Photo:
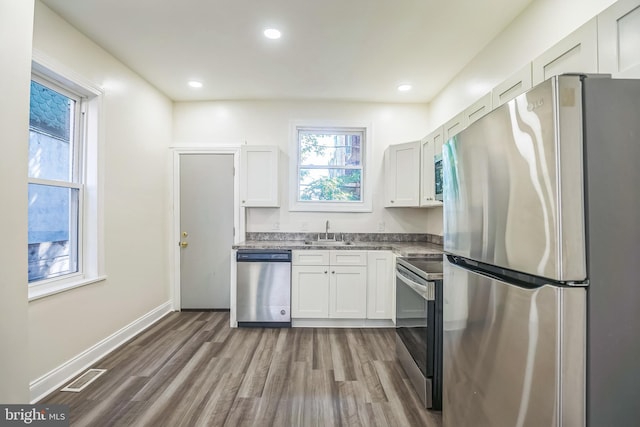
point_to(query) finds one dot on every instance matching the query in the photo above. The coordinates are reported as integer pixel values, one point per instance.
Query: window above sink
(329, 167)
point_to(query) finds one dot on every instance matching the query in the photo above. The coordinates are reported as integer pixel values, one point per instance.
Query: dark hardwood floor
(192, 369)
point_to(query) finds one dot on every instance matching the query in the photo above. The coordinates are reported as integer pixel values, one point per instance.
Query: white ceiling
(330, 49)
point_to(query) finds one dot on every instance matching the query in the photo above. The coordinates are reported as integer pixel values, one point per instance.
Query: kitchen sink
(327, 243)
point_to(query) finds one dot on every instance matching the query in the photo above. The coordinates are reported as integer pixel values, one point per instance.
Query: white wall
(267, 123)
(137, 132)
(542, 24)
(16, 23)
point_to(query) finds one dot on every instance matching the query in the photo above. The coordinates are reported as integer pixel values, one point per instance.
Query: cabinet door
(478, 109)
(259, 176)
(454, 126)
(619, 40)
(348, 290)
(577, 53)
(515, 85)
(310, 292)
(380, 276)
(402, 175)
(430, 146)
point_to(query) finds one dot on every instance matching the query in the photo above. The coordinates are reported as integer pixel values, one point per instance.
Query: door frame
(238, 213)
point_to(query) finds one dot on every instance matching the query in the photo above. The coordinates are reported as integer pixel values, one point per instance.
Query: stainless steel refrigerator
(542, 268)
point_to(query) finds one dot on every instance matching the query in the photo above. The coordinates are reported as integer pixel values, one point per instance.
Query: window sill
(330, 207)
(56, 288)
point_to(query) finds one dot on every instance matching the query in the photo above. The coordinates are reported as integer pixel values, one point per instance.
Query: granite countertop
(403, 245)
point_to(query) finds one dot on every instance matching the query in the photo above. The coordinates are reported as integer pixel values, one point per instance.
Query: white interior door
(206, 229)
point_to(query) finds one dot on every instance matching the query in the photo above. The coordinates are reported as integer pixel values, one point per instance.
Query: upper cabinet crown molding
(576, 53)
(619, 39)
(259, 176)
(478, 109)
(518, 83)
(609, 43)
(454, 126)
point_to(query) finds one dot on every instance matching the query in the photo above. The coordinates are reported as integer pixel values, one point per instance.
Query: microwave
(437, 163)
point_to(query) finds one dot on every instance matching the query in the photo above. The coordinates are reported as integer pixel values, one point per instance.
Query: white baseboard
(52, 380)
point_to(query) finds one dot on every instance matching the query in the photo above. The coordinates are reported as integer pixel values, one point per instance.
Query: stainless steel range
(419, 326)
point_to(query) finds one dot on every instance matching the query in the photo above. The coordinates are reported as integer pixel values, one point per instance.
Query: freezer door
(512, 356)
(513, 185)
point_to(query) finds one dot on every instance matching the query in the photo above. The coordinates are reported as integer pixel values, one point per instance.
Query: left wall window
(55, 184)
(65, 245)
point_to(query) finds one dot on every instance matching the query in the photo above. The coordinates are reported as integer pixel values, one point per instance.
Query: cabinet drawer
(310, 257)
(348, 257)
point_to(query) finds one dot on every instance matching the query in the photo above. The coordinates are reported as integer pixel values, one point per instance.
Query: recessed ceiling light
(194, 83)
(404, 88)
(272, 33)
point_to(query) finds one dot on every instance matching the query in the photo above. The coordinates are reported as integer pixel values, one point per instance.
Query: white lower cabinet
(348, 292)
(380, 289)
(310, 291)
(350, 285)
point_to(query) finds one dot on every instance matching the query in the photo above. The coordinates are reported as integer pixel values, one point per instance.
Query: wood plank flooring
(192, 369)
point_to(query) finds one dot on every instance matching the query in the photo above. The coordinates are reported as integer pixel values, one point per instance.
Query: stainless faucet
(326, 231)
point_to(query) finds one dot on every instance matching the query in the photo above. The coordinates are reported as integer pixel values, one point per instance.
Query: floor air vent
(84, 380)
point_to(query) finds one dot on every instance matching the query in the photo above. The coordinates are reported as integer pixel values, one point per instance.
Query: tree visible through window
(54, 184)
(330, 165)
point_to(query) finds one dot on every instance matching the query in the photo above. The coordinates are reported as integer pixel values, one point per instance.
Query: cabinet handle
(243, 202)
(325, 272)
(392, 201)
(333, 272)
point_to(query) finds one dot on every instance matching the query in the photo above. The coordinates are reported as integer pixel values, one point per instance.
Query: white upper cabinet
(478, 109)
(402, 175)
(431, 145)
(259, 176)
(515, 85)
(619, 39)
(454, 126)
(577, 53)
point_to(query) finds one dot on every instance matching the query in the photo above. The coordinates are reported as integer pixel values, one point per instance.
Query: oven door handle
(428, 291)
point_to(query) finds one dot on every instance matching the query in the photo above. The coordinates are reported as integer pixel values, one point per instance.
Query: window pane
(327, 149)
(330, 184)
(53, 231)
(50, 137)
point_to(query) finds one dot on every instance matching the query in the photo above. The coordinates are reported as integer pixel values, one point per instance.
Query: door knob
(184, 244)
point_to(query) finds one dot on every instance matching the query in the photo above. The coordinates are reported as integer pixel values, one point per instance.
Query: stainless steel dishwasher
(263, 290)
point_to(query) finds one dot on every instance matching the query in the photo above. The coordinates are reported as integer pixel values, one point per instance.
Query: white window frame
(89, 182)
(365, 205)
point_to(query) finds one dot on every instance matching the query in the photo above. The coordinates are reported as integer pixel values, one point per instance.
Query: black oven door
(414, 313)
(417, 324)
